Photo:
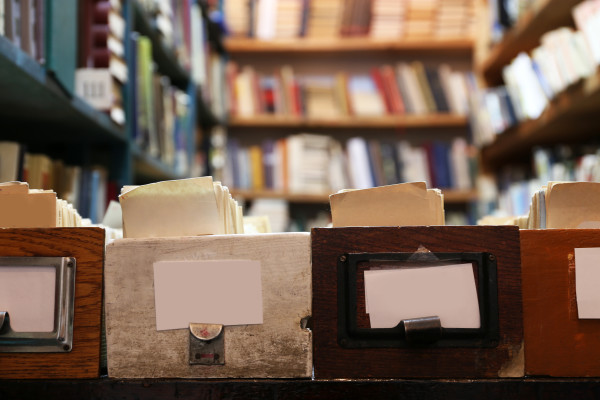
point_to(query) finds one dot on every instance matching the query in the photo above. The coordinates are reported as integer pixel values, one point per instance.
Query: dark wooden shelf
(148, 168)
(447, 389)
(450, 196)
(341, 45)
(384, 121)
(525, 35)
(31, 101)
(571, 117)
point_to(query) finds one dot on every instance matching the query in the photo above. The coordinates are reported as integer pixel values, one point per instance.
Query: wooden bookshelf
(343, 45)
(388, 121)
(450, 196)
(148, 168)
(571, 117)
(525, 35)
(27, 91)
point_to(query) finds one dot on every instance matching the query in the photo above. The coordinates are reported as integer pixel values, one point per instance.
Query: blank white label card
(27, 293)
(448, 292)
(587, 282)
(227, 292)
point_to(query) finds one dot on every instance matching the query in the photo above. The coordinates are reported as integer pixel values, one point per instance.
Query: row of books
(407, 88)
(183, 27)
(87, 189)
(286, 19)
(162, 113)
(560, 164)
(102, 70)
(22, 22)
(310, 163)
(532, 81)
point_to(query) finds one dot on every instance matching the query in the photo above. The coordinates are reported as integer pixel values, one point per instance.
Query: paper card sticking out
(227, 292)
(446, 291)
(27, 293)
(587, 280)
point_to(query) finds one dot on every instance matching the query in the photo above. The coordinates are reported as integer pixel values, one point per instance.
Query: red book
(376, 76)
(391, 87)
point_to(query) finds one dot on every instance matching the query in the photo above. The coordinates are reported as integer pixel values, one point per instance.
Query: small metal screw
(216, 357)
(492, 257)
(343, 258)
(70, 263)
(197, 356)
(66, 347)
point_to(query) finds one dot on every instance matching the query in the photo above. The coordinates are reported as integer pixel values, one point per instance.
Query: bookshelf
(386, 122)
(342, 45)
(40, 111)
(571, 117)
(544, 16)
(450, 196)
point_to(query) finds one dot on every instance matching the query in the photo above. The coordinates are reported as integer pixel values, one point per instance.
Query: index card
(227, 292)
(587, 278)
(27, 293)
(447, 291)
(403, 204)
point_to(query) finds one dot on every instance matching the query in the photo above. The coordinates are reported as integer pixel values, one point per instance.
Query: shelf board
(165, 58)
(450, 196)
(387, 121)
(31, 100)
(184, 389)
(525, 35)
(149, 168)
(340, 45)
(572, 116)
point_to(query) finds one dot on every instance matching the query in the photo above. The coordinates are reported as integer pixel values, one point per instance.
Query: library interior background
(153, 118)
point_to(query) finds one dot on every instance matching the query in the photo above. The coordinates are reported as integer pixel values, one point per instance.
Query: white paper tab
(27, 293)
(227, 292)
(587, 278)
(448, 292)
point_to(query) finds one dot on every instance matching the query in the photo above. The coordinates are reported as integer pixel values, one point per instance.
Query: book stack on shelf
(378, 19)
(102, 71)
(162, 112)
(317, 164)
(88, 189)
(22, 22)
(537, 119)
(535, 81)
(144, 127)
(407, 88)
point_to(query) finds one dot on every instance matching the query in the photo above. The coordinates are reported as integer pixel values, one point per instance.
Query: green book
(61, 42)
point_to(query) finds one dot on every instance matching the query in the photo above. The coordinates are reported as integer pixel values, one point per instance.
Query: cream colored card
(32, 210)
(587, 281)
(448, 292)
(573, 205)
(227, 292)
(27, 293)
(185, 207)
(405, 204)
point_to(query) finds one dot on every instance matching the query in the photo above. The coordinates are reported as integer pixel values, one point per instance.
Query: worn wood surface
(333, 361)
(557, 343)
(87, 246)
(109, 389)
(278, 348)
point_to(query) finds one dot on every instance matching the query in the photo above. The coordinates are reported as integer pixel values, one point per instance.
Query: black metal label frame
(351, 336)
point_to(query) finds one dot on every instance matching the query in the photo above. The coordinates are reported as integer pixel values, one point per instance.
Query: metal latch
(422, 330)
(207, 344)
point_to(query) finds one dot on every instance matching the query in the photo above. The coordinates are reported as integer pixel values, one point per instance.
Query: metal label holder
(207, 344)
(421, 332)
(60, 340)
